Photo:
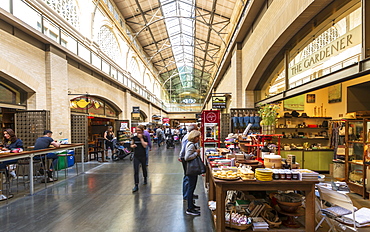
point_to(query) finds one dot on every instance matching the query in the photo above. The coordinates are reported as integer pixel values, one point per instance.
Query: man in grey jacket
(185, 181)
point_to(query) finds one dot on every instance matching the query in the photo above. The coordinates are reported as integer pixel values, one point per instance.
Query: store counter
(31, 154)
(218, 189)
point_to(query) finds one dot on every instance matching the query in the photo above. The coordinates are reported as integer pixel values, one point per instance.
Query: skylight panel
(181, 33)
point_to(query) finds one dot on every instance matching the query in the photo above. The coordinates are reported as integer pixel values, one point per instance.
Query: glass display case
(357, 159)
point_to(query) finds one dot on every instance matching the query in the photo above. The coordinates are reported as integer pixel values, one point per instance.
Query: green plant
(268, 114)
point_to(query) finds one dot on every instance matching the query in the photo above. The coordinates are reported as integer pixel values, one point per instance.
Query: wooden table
(218, 188)
(31, 154)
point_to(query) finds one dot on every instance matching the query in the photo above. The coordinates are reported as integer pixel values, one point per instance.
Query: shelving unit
(303, 128)
(357, 157)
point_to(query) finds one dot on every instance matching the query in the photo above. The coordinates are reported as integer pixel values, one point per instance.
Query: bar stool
(22, 170)
(3, 172)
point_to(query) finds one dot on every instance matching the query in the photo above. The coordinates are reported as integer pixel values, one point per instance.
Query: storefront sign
(211, 117)
(166, 121)
(218, 102)
(344, 42)
(136, 109)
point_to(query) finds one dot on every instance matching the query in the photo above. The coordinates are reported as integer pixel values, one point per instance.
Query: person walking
(191, 152)
(160, 136)
(149, 147)
(139, 142)
(185, 180)
(109, 136)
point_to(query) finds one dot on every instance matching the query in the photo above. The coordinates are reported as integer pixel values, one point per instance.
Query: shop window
(92, 106)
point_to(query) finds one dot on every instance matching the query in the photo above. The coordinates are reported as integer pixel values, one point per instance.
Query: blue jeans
(241, 121)
(192, 184)
(235, 121)
(147, 155)
(185, 181)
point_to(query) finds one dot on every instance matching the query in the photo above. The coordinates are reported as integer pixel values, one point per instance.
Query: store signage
(211, 117)
(218, 102)
(166, 121)
(136, 109)
(135, 116)
(348, 40)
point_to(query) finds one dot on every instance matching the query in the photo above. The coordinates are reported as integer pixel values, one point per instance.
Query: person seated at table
(12, 144)
(42, 143)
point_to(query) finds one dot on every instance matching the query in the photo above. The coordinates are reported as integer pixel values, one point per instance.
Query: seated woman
(12, 144)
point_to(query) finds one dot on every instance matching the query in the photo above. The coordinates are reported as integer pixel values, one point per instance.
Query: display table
(218, 188)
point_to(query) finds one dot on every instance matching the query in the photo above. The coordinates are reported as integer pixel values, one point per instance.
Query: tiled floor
(102, 200)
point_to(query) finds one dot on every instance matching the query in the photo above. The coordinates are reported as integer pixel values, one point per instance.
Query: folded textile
(361, 216)
(335, 211)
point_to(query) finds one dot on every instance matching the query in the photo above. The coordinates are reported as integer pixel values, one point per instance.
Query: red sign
(211, 117)
(166, 120)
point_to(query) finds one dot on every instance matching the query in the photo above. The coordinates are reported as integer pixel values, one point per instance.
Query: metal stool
(7, 184)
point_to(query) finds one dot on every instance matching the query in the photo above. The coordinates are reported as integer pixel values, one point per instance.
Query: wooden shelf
(350, 162)
(303, 128)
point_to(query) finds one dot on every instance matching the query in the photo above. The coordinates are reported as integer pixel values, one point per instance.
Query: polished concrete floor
(102, 200)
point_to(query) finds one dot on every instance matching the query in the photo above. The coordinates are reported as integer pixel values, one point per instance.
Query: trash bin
(61, 160)
(70, 158)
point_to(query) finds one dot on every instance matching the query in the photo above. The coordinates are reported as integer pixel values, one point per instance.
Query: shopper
(185, 180)
(139, 142)
(149, 147)
(191, 152)
(109, 136)
(12, 144)
(160, 136)
(42, 143)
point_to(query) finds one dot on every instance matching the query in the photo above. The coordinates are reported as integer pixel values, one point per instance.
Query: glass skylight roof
(180, 22)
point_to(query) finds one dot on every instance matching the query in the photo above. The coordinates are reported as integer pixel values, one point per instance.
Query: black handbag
(195, 167)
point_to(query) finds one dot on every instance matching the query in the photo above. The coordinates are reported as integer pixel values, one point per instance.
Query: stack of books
(259, 224)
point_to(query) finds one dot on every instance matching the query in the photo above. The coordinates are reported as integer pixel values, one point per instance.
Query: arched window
(108, 43)
(67, 9)
(7, 95)
(93, 106)
(134, 69)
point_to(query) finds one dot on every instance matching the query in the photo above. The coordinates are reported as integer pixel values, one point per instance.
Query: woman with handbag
(192, 153)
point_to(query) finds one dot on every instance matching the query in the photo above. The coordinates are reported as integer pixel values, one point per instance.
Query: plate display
(219, 178)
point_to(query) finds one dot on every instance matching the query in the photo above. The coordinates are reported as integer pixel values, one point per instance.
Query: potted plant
(268, 115)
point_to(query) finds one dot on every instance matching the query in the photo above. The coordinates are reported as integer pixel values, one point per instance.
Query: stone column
(365, 29)
(236, 74)
(56, 76)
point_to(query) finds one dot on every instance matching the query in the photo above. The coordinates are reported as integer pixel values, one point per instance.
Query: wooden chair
(96, 149)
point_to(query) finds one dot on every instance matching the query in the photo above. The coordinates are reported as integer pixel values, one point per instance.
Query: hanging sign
(218, 102)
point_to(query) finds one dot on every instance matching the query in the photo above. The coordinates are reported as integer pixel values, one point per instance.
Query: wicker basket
(230, 224)
(271, 217)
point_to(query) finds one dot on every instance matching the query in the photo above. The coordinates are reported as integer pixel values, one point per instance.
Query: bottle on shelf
(265, 150)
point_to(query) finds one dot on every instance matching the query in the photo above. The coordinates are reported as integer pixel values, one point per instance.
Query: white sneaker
(12, 173)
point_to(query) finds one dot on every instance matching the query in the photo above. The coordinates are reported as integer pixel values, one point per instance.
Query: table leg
(220, 209)
(31, 175)
(82, 159)
(310, 209)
